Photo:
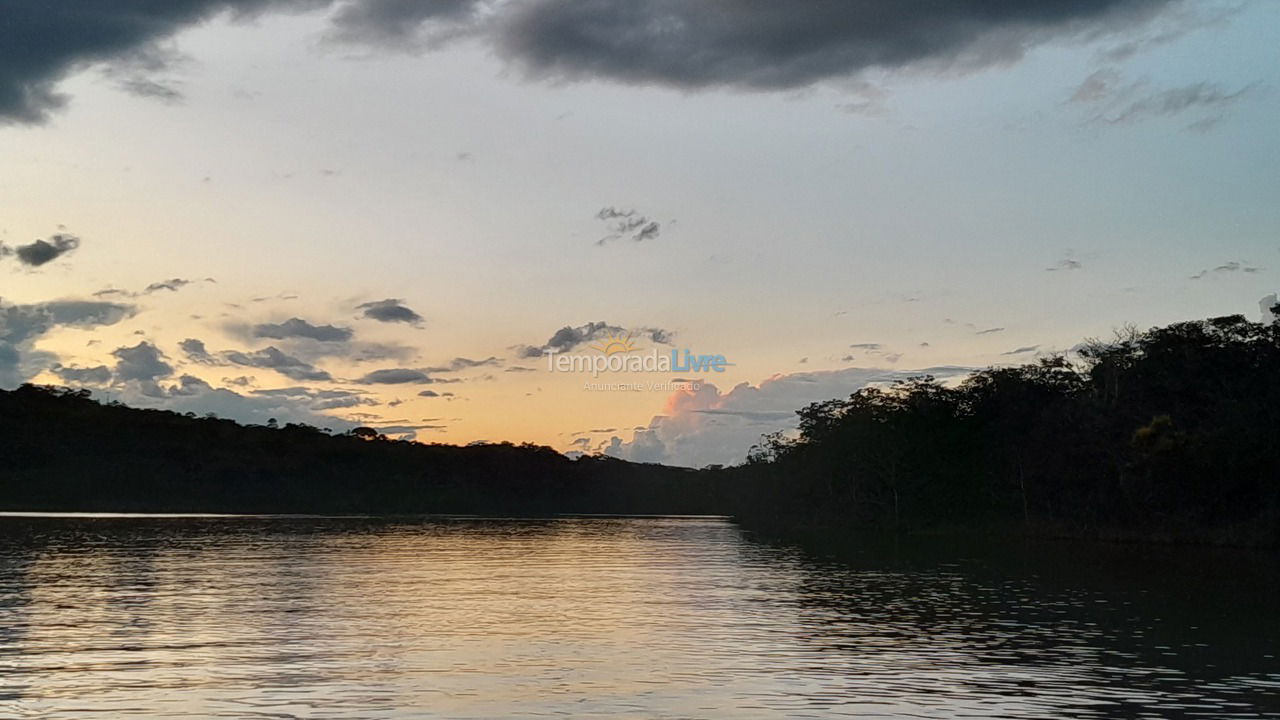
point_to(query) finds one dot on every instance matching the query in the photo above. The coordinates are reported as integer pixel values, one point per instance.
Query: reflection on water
(643, 618)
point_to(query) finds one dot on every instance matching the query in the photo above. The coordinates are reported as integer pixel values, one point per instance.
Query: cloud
(1022, 350)
(299, 328)
(1116, 102)
(112, 292)
(138, 72)
(43, 251)
(1267, 306)
(390, 310)
(461, 363)
(271, 358)
(39, 45)
(866, 346)
(1164, 103)
(172, 285)
(321, 399)
(1234, 266)
(99, 375)
(22, 325)
(1100, 85)
(764, 45)
(150, 88)
(700, 424)
(269, 298)
(187, 386)
(433, 393)
(191, 394)
(1172, 25)
(396, 376)
(306, 343)
(750, 44)
(627, 223)
(568, 338)
(196, 351)
(143, 362)
(989, 331)
(1067, 263)
(404, 24)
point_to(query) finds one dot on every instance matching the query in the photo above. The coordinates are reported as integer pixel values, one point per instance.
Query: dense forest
(1167, 434)
(64, 451)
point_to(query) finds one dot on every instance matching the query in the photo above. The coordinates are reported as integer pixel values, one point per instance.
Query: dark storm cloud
(390, 310)
(568, 338)
(40, 42)
(43, 251)
(771, 45)
(299, 328)
(396, 376)
(755, 44)
(271, 358)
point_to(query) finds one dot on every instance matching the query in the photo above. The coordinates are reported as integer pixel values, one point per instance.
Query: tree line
(1169, 433)
(61, 450)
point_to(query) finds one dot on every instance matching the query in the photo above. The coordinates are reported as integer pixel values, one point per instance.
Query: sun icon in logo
(615, 343)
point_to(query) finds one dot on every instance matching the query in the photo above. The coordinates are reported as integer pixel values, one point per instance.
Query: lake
(308, 617)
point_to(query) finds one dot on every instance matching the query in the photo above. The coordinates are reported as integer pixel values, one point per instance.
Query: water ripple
(602, 617)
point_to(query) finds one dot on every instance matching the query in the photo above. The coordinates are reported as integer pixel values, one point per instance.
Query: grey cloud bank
(753, 44)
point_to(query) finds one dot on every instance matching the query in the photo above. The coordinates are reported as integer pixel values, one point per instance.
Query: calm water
(640, 618)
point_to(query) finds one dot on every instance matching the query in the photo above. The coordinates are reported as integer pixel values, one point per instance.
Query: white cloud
(704, 425)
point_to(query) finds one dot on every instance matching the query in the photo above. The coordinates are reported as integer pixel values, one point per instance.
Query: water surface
(612, 617)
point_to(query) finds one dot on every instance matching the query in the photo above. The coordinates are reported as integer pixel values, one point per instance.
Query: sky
(386, 212)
